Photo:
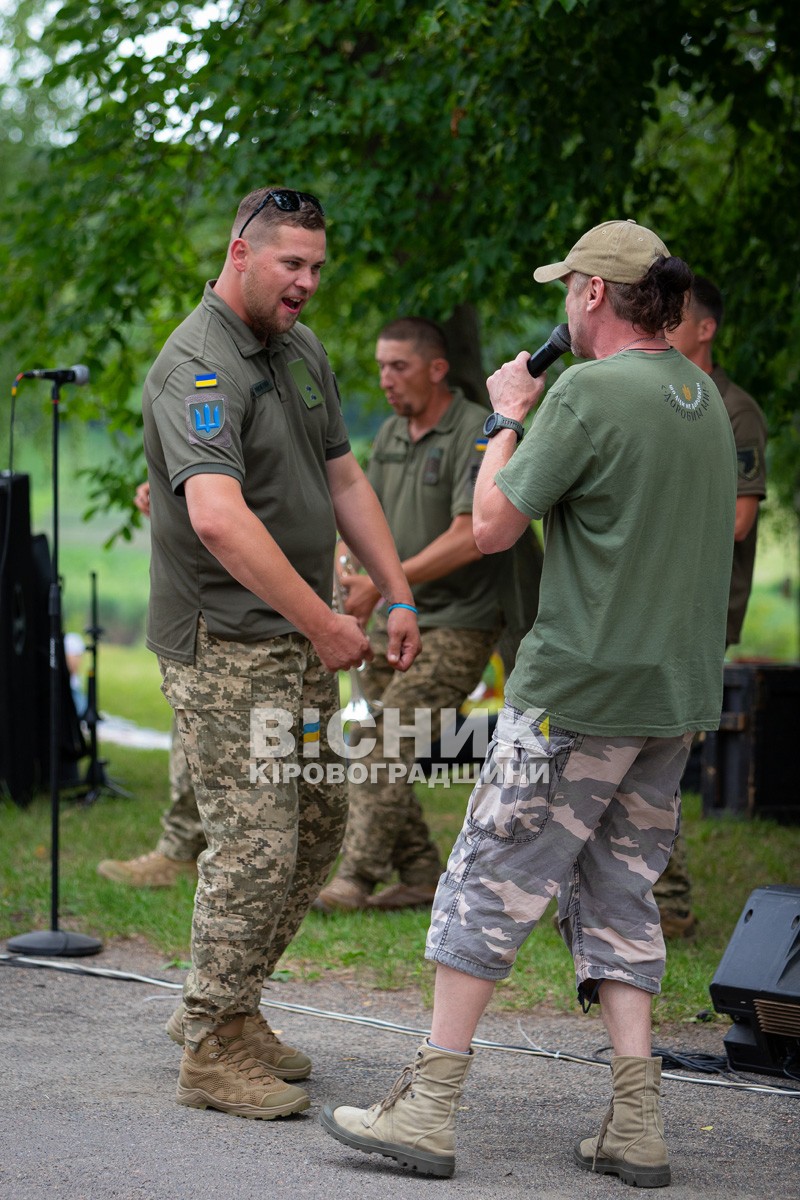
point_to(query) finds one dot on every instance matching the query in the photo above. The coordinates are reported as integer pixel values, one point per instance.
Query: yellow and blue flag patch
(481, 444)
(205, 381)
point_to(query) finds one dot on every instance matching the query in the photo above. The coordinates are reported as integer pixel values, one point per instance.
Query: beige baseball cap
(618, 251)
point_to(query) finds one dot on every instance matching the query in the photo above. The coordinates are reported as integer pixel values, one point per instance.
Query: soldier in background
(694, 337)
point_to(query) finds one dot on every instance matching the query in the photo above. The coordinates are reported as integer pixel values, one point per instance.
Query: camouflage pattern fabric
(592, 819)
(386, 829)
(673, 891)
(182, 838)
(270, 845)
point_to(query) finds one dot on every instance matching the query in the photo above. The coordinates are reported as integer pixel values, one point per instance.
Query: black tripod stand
(55, 941)
(96, 781)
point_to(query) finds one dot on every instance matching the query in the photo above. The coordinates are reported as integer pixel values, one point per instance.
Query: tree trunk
(464, 342)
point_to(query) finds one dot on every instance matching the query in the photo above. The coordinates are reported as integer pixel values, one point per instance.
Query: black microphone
(557, 344)
(79, 374)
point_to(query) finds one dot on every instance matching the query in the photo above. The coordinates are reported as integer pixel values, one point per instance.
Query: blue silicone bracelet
(410, 608)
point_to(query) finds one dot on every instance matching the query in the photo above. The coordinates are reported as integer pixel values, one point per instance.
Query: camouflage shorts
(589, 818)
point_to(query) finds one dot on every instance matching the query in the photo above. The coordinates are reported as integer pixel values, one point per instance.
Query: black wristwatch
(496, 421)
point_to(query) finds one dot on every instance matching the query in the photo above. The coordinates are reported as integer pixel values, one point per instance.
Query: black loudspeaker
(19, 765)
(72, 745)
(758, 984)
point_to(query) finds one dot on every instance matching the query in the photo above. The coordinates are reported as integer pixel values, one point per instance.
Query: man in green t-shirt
(251, 474)
(632, 464)
(423, 467)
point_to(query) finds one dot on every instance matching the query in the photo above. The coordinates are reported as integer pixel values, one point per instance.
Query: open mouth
(293, 303)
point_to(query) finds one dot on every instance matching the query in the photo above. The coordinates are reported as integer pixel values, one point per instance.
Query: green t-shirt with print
(631, 462)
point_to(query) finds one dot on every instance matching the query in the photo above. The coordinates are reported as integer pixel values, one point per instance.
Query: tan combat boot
(631, 1139)
(223, 1074)
(415, 1124)
(341, 895)
(675, 927)
(151, 870)
(281, 1060)
(403, 895)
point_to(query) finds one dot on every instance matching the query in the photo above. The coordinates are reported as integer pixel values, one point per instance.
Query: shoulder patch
(748, 462)
(207, 420)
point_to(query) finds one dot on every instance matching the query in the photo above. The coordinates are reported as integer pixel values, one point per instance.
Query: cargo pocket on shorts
(511, 801)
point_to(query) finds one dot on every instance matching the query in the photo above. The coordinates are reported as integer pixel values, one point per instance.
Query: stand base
(54, 943)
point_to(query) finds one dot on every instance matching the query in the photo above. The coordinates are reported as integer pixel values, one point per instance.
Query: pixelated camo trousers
(592, 819)
(386, 828)
(270, 845)
(182, 837)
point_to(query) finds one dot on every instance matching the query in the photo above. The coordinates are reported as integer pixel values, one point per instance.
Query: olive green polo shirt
(422, 486)
(217, 401)
(750, 434)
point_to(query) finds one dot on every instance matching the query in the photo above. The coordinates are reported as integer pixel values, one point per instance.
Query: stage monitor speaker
(20, 771)
(758, 984)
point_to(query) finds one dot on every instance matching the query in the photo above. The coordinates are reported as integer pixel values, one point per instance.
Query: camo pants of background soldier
(386, 829)
(590, 818)
(270, 845)
(183, 838)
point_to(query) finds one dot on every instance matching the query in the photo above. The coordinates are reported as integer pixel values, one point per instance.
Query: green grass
(728, 859)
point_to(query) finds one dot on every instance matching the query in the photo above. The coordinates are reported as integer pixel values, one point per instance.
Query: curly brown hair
(656, 302)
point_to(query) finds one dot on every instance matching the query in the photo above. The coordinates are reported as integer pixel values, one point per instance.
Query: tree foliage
(456, 145)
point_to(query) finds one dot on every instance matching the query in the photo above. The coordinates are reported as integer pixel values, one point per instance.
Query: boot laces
(604, 1124)
(240, 1058)
(401, 1085)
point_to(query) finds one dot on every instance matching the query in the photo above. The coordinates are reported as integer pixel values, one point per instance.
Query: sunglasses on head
(287, 201)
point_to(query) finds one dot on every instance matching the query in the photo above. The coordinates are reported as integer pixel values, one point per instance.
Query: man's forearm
(362, 524)
(497, 524)
(447, 553)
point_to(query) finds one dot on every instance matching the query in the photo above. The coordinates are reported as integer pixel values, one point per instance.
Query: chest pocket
(432, 466)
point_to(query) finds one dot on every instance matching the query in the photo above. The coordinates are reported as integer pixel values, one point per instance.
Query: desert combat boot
(631, 1140)
(153, 870)
(221, 1073)
(415, 1124)
(285, 1062)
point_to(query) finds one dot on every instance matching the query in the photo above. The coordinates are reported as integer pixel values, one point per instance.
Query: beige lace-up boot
(415, 1123)
(631, 1140)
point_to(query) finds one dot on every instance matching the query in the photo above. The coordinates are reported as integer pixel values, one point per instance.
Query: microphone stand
(96, 779)
(55, 942)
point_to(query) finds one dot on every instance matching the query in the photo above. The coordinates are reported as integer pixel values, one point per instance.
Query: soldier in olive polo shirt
(694, 337)
(251, 474)
(423, 467)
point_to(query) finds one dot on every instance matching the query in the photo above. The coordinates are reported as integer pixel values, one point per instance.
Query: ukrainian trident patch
(206, 418)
